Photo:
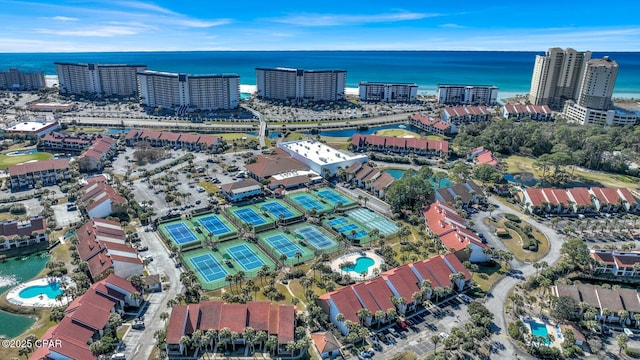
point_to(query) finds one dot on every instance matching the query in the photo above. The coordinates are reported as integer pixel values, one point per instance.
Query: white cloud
(318, 20)
(145, 6)
(64, 18)
(100, 31)
(452, 26)
(195, 23)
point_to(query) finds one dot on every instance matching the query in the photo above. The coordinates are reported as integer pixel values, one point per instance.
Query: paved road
(498, 296)
(140, 343)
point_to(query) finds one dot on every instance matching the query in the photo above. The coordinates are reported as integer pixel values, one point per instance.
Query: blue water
(539, 329)
(50, 290)
(117, 131)
(25, 152)
(443, 183)
(511, 71)
(361, 264)
(512, 178)
(351, 132)
(395, 173)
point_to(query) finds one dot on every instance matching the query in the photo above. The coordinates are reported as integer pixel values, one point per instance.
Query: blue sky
(84, 25)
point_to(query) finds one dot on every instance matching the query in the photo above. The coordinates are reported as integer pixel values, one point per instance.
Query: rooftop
(320, 153)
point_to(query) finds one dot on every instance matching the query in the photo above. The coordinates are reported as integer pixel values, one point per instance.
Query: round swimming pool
(361, 264)
(50, 290)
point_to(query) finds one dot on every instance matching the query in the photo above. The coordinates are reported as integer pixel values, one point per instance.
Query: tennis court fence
(275, 255)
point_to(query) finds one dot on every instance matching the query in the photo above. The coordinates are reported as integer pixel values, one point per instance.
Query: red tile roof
(404, 281)
(383, 181)
(119, 282)
(269, 165)
(581, 196)
(453, 260)
(91, 315)
(603, 257)
(429, 121)
(176, 324)
(399, 143)
(38, 166)
(286, 316)
(258, 313)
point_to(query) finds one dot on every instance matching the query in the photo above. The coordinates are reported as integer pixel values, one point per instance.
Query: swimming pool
(538, 329)
(50, 290)
(361, 264)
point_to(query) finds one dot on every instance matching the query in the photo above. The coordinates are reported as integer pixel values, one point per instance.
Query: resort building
(402, 146)
(600, 299)
(602, 118)
(466, 114)
(193, 142)
(32, 128)
(557, 77)
(57, 141)
(16, 233)
(468, 193)
(182, 92)
(300, 85)
(467, 94)
(326, 344)
(102, 149)
(435, 126)
(14, 79)
(380, 295)
(281, 171)
(482, 156)
(387, 92)
(102, 244)
(369, 178)
(578, 200)
(616, 262)
(533, 112)
(86, 319)
(320, 158)
(101, 200)
(241, 190)
(443, 221)
(98, 79)
(272, 319)
(46, 173)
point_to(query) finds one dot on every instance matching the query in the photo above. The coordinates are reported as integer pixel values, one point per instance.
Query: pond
(396, 173)
(351, 132)
(523, 178)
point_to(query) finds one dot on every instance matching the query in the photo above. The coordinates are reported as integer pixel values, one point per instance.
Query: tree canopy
(412, 191)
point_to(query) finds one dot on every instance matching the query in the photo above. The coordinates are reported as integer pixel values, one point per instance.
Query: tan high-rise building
(597, 84)
(100, 79)
(300, 85)
(557, 77)
(15, 79)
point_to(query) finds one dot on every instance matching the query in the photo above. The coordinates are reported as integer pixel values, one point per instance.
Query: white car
(443, 335)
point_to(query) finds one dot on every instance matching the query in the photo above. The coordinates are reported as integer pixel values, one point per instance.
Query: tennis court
(350, 228)
(308, 202)
(208, 267)
(372, 220)
(277, 209)
(249, 216)
(248, 259)
(214, 225)
(316, 238)
(180, 233)
(284, 246)
(334, 198)
(337, 221)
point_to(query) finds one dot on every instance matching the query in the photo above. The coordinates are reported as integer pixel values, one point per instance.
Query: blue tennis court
(180, 233)
(248, 259)
(284, 245)
(208, 267)
(308, 203)
(249, 216)
(337, 221)
(277, 209)
(333, 197)
(371, 220)
(347, 227)
(315, 237)
(214, 225)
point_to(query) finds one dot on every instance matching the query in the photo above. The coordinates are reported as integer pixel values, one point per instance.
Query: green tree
(564, 308)
(622, 340)
(486, 173)
(576, 251)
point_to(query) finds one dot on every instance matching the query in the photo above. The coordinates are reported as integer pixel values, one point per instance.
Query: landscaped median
(525, 242)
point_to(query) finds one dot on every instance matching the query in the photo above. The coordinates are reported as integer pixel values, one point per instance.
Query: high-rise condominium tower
(597, 84)
(557, 77)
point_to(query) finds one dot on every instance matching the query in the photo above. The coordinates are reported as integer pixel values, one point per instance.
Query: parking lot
(65, 217)
(415, 337)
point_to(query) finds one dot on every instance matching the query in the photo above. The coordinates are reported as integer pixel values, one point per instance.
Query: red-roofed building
(273, 319)
(101, 200)
(56, 141)
(46, 172)
(381, 184)
(326, 343)
(616, 262)
(482, 156)
(578, 200)
(18, 233)
(432, 125)
(442, 220)
(466, 114)
(193, 142)
(87, 320)
(582, 199)
(533, 112)
(401, 283)
(467, 192)
(102, 149)
(402, 146)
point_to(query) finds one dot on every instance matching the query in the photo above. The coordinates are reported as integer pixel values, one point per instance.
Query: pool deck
(351, 257)
(551, 329)
(14, 294)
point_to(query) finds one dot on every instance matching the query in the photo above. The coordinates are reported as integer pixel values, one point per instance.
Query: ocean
(510, 71)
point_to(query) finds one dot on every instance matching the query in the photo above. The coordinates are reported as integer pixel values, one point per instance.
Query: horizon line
(297, 50)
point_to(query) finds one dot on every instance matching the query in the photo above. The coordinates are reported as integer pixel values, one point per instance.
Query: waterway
(12, 272)
(350, 132)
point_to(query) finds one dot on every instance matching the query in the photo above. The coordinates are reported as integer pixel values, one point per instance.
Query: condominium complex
(14, 79)
(387, 92)
(557, 77)
(467, 94)
(100, 79)
(300, 85)
(204, 92)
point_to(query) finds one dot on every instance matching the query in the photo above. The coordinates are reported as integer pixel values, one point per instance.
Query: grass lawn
(209, 187)
(514, 242)
(517, 164)
(491, 275)
(398, 133)
(6, 161)
(236, 136)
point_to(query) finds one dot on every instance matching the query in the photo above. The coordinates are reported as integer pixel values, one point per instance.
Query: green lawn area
(236, 136)
(517, 164)
(493, 274)
(6, 161)
(209, 187)
(397, 132)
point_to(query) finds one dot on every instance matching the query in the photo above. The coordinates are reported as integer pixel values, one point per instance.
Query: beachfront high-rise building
(597, 84)
(14, 79)
(99, 79)
(557, 77)
(387, 92)
(467, 94)
(204, 92)
(300, 85)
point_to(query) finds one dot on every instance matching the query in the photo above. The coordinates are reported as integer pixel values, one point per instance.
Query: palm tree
(298, 256)
(622, 340)
(435, 339)
(249, 336)
(363, 314)
(224, 335)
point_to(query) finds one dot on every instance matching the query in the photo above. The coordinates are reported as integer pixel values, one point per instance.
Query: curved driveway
(498, 295)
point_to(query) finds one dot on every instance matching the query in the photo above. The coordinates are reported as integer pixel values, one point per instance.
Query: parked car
(148, 257)
(138, 325)
(393, 332)
(142, 248)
